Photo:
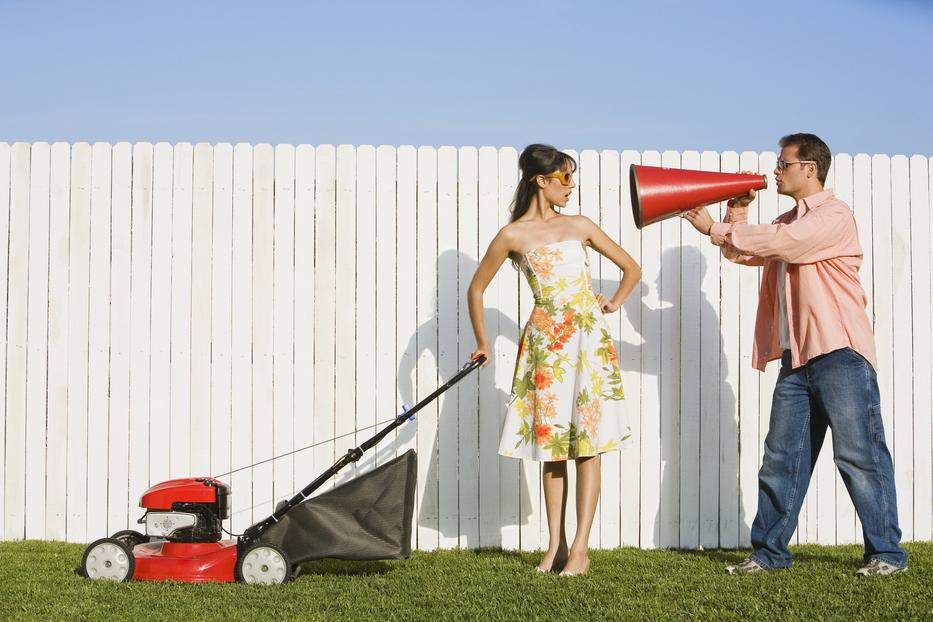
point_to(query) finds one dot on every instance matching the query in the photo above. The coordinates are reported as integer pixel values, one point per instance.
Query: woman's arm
(605, 246)
(495, 256)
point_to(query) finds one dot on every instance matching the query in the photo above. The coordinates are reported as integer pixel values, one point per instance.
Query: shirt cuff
(718, 232)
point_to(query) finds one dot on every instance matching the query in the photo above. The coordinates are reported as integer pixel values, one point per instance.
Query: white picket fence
(175, 311)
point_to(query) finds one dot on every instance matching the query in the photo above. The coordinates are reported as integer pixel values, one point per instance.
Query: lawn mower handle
(356, 453)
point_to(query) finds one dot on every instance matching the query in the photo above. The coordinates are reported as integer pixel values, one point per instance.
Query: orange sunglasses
(565, 177)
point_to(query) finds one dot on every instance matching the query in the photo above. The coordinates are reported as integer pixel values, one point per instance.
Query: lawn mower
(366, 518)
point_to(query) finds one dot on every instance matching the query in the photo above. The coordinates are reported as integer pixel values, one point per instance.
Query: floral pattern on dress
(567, 387)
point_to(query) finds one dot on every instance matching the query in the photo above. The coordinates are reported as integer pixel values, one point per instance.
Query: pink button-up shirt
(825, 301)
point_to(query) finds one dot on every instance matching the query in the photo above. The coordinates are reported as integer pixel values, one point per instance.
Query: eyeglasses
(782, 164)
(565, 177)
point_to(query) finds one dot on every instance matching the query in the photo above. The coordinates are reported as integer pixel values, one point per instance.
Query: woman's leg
(588, 483)
(555, 502)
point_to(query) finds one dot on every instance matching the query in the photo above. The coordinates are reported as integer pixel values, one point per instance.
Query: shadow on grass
(340, 567)
(717, 555)
(810, 554)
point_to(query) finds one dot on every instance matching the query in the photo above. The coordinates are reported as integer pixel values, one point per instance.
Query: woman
(567, 386)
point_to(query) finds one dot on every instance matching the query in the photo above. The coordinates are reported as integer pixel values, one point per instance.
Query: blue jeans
(839, 389)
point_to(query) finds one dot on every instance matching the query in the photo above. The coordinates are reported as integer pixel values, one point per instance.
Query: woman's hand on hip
(606, 305)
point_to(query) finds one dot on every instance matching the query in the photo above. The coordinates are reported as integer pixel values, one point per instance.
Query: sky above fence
(727, 75)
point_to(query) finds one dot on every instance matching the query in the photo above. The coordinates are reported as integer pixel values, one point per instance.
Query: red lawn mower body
(195, 562)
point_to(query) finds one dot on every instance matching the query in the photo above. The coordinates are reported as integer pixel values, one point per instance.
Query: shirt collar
(813, 201)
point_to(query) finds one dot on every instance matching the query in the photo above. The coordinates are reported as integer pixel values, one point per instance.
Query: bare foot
(553, 560)
(576, 565)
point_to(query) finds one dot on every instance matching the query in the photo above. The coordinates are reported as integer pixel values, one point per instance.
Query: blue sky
(579, 74)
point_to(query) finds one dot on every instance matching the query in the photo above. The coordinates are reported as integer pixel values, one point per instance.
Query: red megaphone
(659, 193)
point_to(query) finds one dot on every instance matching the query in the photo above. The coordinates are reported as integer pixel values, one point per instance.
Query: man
(811, 315)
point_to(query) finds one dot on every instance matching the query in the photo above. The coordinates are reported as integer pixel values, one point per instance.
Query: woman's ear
(541, 180)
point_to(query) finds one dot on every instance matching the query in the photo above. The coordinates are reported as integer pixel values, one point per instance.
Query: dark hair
(810, 147)
(536, 160)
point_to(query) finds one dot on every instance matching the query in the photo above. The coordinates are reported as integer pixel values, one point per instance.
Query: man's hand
(700, 219)
(745, 199)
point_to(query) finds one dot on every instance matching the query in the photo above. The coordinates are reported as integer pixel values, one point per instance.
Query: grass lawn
(38, 581)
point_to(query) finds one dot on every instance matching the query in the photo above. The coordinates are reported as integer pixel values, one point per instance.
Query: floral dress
(567, 389)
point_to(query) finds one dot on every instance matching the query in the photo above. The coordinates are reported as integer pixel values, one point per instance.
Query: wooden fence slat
(468, 391)
(900, 436)
(120, 499)
(921, 333)
(492, 398)
(406, 300)
(608, 276)
(241, 321)
(16, 356)
(57, 422)
(385, 295)
(426, 348)
(630, 363)
(78, 281)
(729, 375)
(4, 282)
(325, 269)
(37, 309)
(180, 361)
(283, 324)
(221, 311)
(263, 316)
(345, 405)
(446, 324)
(305, 278)
(692, 267)
(202, 217)
(99, 339)
(669, 378)
(139, 315)
(715, 392)
(367, 409)
(651, 352)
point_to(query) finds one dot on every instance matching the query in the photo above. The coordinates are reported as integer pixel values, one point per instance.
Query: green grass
(38, 581)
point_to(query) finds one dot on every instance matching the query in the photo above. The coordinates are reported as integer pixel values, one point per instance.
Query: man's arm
(736, 214)
(820, 234)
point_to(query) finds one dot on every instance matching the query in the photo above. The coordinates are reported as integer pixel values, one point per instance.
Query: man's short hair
(810, 147)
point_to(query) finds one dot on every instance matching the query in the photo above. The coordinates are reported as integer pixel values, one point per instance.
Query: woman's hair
(536, 160)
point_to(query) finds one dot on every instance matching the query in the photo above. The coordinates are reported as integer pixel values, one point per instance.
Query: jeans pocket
(876, 424)
(856, 357)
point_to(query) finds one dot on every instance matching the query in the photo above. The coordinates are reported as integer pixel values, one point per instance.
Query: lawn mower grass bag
(368, 518)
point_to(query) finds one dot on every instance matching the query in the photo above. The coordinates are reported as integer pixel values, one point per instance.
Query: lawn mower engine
(186, 510)
(182, 541)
